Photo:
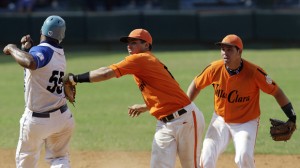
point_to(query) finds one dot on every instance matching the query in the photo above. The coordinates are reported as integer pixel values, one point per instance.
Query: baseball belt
(173, 115)
(46, 114)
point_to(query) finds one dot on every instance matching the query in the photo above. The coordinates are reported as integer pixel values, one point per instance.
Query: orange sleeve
(203, 79)
(130, 65)
(265, 83)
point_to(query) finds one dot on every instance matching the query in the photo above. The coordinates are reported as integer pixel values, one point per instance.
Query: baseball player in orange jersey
(237, 84)
(180, 123)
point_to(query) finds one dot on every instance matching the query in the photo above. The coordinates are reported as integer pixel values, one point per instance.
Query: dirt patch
(93, 159)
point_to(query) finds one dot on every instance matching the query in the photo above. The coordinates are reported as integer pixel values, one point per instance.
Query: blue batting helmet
(54, 27)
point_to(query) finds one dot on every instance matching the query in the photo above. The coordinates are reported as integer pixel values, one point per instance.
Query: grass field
(101, 116)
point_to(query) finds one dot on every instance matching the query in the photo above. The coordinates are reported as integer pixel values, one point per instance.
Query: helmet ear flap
(54, 27)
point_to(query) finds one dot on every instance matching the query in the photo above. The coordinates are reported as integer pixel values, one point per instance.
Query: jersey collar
(51, 43)
(236, 71)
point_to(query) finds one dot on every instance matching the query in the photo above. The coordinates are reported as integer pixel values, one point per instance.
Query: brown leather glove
(69, 88)
(280, 130)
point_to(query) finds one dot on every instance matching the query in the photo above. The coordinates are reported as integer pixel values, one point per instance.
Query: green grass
(101, 116)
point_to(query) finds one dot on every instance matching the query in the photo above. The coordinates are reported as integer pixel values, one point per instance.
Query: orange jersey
(161, 93)
(236, 98)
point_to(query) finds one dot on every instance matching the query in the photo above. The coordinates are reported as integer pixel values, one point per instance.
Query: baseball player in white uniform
(46, 119)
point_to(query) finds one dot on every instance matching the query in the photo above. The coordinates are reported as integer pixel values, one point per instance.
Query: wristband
(289, 112)
(85, 77)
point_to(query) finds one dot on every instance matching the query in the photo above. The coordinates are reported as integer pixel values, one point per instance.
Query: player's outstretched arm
(101, 74)
(98, 75)
(22, 58)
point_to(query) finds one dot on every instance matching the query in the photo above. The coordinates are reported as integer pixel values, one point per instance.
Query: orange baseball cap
(232, 40)
(141, 34)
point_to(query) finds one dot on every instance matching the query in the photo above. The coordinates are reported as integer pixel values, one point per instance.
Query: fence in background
(167, 26)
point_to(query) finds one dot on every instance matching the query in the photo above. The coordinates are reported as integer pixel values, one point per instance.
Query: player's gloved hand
(69, 87)
(280, 130)
(69, 79)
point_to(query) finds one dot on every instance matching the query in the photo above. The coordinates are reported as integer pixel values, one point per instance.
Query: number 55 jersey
(43, 86)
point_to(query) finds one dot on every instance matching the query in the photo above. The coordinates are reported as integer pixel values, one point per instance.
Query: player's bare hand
(26, 42)
(136, 110)
(7, 49)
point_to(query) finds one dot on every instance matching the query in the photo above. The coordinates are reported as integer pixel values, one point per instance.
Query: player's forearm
(22, 58)
(143, 107)
(101, 74)
(97, 75)
(285, 105)
(281, 98)
(192, 91)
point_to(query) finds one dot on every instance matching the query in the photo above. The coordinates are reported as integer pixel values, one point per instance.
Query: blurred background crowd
(140, 5)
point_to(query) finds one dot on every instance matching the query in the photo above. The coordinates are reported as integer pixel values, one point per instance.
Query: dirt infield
(94, 159)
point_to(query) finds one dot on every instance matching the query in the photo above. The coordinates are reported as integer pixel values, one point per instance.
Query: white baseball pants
(53, 132)
(182, 136)
(218, 136)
